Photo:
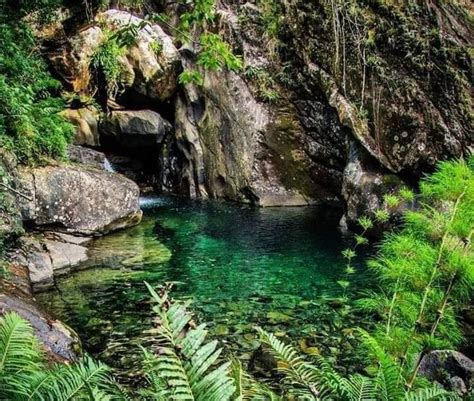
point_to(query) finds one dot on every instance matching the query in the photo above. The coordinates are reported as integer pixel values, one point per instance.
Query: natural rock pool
(240, 266)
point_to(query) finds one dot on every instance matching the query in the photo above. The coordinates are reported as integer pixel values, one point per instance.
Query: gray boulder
(449, 368)
(136, 128)
(48, 255)
(77, 199)
(89, 157)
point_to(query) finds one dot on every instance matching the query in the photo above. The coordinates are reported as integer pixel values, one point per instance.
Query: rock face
(238, 148)
(232, 144)
(364, 185)
(138, 128)
(283, 132)
(150, 67)
(407, 123)
(78, 200)
(450, 368)
(48, 255)
(86, 122)
(59, 341)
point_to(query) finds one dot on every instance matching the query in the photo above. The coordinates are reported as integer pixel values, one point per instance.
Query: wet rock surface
(364, 185)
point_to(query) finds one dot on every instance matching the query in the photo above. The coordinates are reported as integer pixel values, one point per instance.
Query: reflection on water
(240, 266)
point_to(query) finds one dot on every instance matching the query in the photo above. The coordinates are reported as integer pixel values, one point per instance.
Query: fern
(183, 367)
(305, 379)
(247, 388)
(389, 380)
(430, 394)
(19, 351)
(358, 387)
(70, 382)
(24, 376)
(321, 381)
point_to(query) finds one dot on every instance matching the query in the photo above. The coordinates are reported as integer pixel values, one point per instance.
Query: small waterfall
(108, 166)
(151, 201)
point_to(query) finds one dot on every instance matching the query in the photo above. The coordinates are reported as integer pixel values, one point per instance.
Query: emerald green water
(240, 266)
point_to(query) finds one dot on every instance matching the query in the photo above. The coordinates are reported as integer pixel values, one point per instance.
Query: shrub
(30, 125)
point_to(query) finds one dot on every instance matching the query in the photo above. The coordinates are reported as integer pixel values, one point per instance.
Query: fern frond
(19, 350)
(434, 393)
(309, 380)
(247, 388)
(183, 370)
(358, 388)
(389, 380)
(76, 381)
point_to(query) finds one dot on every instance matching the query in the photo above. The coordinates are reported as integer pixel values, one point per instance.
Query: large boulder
(85, 121)
(78, 199)
(136, 128)
(151, 66)
(236, 147)
(71, 57)
(449, 368)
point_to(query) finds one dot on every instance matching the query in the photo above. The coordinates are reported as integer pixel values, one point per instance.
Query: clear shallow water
(240, 266)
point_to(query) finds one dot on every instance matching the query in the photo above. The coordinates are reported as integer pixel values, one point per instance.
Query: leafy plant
(213, 53)
(216, 54)
(156, 47)
(25, 375)
(426, 270)
(181, 367)
(30, 124)
(318, 380)
(200, 13)
(191, 76)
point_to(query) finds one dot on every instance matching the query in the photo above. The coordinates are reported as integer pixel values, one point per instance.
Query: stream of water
(240, 266)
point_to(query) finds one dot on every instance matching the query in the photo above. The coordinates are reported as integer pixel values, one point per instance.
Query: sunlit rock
(78, 200)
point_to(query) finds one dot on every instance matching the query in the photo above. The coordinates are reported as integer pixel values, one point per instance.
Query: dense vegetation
(30, 101)
(425, 271)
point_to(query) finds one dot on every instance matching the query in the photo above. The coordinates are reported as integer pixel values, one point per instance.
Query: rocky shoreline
(53, 213)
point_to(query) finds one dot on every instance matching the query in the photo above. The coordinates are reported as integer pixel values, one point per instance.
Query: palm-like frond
(86, 379)
(431, 394)
(19, 351)
(298, 372)
(319, 381)
(183, 368)
(358, 388)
